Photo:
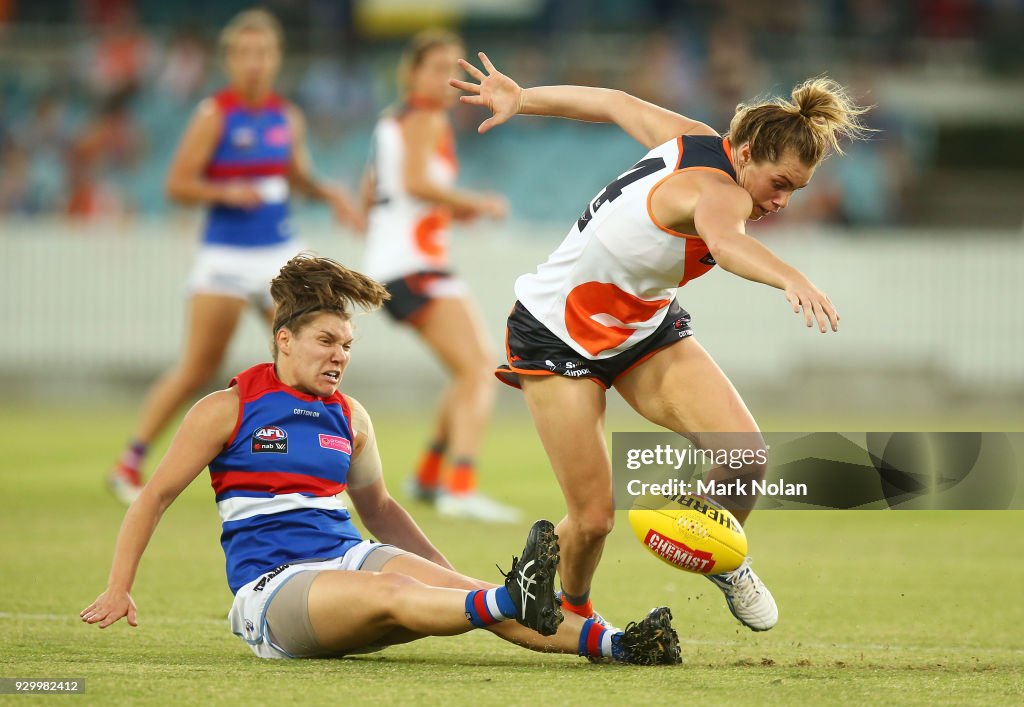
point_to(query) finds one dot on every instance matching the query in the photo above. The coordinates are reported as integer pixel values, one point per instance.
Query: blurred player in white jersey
(410, 193)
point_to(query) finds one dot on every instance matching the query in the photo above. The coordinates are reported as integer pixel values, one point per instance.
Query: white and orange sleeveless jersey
(406, 234)
(608, 286)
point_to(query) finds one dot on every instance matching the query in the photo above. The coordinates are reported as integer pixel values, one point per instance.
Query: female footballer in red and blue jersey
(277, 480)
(241, 156)
(281, 442)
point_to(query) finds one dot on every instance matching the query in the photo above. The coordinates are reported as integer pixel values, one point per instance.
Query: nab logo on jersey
(270, 439)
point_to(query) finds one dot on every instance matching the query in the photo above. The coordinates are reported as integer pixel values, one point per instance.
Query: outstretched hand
(109, 607)
(495, 91)
(815, 304)
(346, 209)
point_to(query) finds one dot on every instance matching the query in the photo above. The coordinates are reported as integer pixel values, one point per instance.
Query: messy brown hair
(421, 44)
(309, 284)
(811, 125)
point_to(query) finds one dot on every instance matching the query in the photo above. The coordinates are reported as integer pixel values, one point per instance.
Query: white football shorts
(248, 615)
(244, 273)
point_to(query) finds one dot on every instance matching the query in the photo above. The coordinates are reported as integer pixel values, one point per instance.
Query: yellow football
(689, 532)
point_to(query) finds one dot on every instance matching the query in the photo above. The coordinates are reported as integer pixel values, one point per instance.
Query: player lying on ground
(603, 307)
(281, 442)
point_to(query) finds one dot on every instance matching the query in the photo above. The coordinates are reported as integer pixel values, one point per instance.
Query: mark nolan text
(676, 487)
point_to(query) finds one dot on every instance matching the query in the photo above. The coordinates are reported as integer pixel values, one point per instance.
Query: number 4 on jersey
(613, 191)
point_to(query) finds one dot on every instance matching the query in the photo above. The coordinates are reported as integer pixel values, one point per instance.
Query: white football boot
(125, 486)
(476, 506)
(749, 600)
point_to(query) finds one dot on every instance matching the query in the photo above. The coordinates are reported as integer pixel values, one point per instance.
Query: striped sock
(131, 459)
(596, 641)
(487, 607)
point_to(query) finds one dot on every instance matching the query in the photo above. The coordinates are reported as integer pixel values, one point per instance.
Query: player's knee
(595, 524)
(389, 590)
(392, 584)
(668, 413)
(483, 373)
(758, 469)
(760, 466)
(478, 377)
(749, 458)
(193, 377)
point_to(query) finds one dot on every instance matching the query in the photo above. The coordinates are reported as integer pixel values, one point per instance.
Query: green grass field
(876, 607)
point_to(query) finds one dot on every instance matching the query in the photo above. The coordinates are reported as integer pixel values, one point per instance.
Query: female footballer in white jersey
(603, 307)
(409, 191)
(281, 442)
(241, 155)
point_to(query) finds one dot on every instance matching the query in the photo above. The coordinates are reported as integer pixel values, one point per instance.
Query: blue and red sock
(597, 641)
(486, 607)
(131, 459)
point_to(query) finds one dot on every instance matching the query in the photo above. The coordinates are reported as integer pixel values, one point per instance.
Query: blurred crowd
(95, 93)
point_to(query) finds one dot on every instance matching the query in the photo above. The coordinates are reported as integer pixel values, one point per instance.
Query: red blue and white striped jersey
(255, 146)
(278, 476)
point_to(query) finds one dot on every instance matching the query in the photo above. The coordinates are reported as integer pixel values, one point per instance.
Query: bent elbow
(718, 249)
(419, 189)
(173, 192)
(617, 98)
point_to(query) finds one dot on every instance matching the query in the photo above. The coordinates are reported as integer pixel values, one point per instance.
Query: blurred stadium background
(916, 235)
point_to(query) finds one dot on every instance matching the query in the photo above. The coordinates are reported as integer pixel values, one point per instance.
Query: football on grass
(689, 532)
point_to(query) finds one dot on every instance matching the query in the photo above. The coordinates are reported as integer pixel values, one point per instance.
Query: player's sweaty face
(319, 353)
(429, 79)
(771, 184)
(253, 59)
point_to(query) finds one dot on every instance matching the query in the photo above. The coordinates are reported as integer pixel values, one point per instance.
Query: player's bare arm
(648, 124)
(367, 189)
(185, 183)
(203, 433)
(719, 215)
(303, 179)
(382, 515)
(387, 521)
(421, 132)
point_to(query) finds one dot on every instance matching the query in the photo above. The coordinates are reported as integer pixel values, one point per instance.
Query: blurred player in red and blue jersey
(242, 154)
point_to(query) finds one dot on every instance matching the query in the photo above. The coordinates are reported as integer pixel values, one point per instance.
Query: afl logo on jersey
(243, 137)
(270, 439)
